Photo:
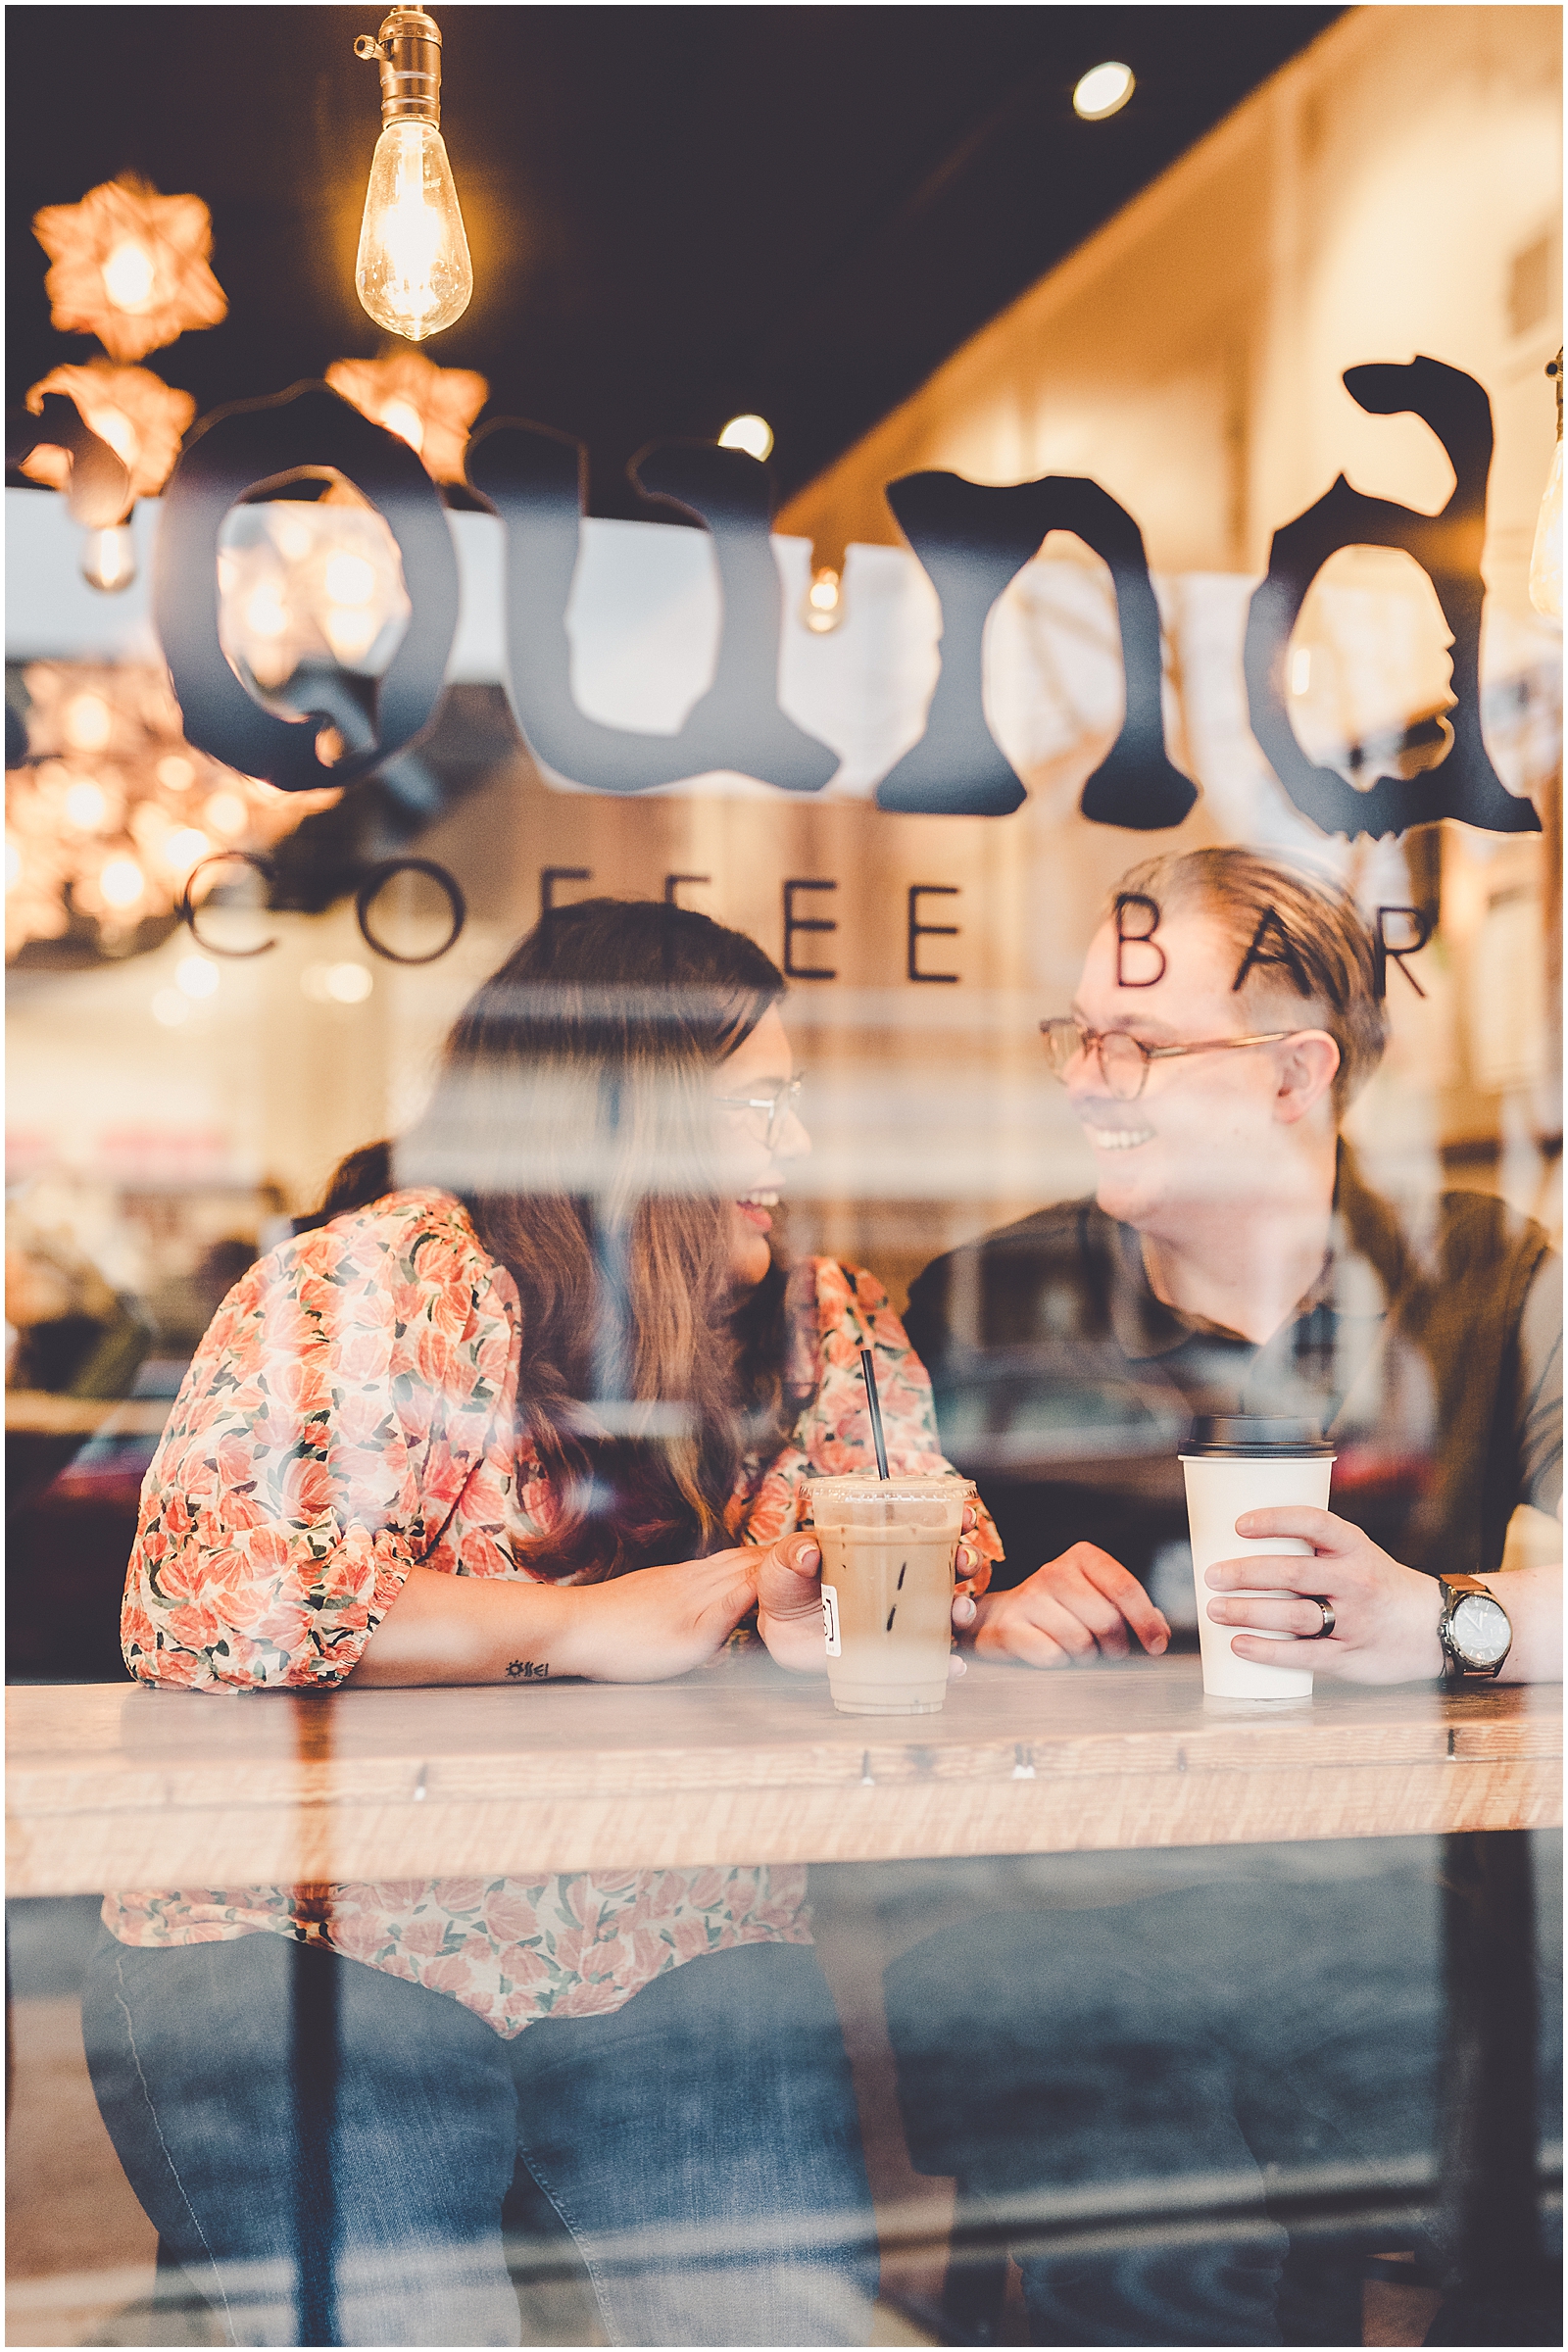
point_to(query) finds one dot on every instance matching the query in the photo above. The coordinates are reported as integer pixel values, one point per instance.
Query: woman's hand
(640, 1628)
(1384, 1616)
(656, 1622)
(1072, 1612)
(789, 1598)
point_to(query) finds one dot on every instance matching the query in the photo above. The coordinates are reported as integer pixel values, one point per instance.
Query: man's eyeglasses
(1124, 1060)
(778, 1109)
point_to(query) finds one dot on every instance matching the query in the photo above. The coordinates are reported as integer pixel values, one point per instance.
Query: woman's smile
(756, 1205)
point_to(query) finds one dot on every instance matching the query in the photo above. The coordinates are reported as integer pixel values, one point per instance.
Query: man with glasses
(1235, 1260)
(1136, 2032)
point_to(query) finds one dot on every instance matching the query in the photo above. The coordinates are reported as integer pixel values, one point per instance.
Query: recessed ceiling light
(1103, 90)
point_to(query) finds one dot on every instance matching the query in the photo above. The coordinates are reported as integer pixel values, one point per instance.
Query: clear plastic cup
(889, 1552)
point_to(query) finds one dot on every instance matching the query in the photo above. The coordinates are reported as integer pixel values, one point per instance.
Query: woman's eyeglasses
(1124, 1060)
(778, 1109)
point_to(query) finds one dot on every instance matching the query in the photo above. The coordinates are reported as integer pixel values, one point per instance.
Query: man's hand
(1384, 1616)
(789, 1598)
(1071, 1612)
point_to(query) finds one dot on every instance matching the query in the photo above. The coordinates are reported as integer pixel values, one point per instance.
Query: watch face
(1480, 1630)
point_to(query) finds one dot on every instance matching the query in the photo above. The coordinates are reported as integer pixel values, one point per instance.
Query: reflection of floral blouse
(350, 1413)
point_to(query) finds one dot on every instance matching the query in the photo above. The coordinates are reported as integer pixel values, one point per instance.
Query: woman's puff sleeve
(342, 1398)
(836, 1310)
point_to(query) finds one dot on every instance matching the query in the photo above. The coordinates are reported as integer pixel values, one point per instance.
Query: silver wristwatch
(1473, 1629)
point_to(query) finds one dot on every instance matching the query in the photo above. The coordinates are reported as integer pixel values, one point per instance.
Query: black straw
(869, 1373)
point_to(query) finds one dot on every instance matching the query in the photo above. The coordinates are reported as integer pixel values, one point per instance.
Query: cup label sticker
(830, 1621)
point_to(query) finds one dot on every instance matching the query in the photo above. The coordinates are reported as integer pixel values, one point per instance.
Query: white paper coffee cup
(1235, 1463)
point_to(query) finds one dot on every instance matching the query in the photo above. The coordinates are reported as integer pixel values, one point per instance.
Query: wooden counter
(110, 1785)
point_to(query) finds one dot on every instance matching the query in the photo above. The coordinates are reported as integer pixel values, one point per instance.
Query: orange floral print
(350, 1413)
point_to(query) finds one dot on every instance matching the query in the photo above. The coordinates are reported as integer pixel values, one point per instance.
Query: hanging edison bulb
(412, 275)
(1546, 557)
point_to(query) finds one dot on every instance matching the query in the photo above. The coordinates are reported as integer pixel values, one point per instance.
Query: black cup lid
(1249, 1437)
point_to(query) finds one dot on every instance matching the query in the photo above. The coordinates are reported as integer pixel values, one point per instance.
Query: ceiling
(675, 213)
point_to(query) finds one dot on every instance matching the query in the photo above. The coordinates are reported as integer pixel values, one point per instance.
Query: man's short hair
(1322, 925)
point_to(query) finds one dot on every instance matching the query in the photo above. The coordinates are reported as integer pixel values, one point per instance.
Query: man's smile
(1117, 1139)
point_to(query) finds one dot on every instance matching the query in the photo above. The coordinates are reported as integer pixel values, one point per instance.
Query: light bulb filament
(414, 276)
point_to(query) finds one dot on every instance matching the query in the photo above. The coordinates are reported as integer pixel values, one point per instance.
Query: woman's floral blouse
(352, 1412)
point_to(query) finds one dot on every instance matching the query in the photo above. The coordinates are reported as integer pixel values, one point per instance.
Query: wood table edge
(406, 1835)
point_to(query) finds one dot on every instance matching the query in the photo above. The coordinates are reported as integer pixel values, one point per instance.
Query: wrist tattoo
(524, 1670)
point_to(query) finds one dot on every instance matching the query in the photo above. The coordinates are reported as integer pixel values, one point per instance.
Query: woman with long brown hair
(532, 1396)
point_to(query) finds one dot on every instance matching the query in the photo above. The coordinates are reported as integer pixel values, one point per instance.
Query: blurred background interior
(888, 233)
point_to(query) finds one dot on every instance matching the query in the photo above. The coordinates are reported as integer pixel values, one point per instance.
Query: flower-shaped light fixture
(131, 266)
(430, 408)
(142, 418)
(115, 810)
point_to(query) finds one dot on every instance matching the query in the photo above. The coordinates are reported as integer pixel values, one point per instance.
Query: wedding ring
(1327, 1626)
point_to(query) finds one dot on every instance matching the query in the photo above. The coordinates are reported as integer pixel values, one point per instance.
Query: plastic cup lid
(1252, 1437)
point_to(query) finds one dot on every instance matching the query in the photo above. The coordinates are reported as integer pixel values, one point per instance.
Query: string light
(346, 983)
(413, 274)
(228, 814)
(349, 983)
(350, 631)
(350, 579)
(121, 882)
(306, 583)
(196, 976)
(184, 848)
(109, 558)
(89, 723)
(100, 829)
(823, 608)
(750, 433)
(86, 806)
(266, 613)
(1103, 90)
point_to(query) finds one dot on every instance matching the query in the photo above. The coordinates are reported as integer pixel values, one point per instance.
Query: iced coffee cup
(1235, 1463)
(889, 1552)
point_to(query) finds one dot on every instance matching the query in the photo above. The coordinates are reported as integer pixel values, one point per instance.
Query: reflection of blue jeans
(701, 2145)
(1262, 2038)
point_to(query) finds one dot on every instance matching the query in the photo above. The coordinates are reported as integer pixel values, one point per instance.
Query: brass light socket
(408, 49)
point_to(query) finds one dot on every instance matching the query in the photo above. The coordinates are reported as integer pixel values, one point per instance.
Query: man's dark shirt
(1430, 1350)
